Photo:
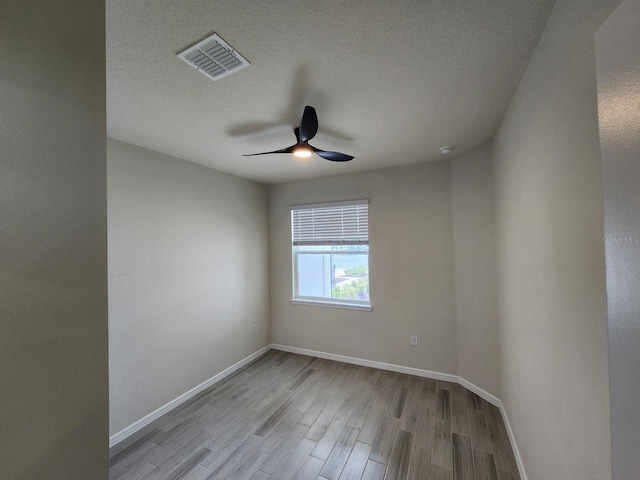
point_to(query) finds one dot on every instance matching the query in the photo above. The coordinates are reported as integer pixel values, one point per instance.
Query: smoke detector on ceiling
(214, 58)
(447, 149)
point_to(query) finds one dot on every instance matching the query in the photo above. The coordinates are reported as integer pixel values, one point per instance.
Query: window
(330, 248)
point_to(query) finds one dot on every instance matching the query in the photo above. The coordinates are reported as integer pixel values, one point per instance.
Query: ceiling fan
(307, 130)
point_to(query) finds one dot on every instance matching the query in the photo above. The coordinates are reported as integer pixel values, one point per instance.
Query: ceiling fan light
(302, 152)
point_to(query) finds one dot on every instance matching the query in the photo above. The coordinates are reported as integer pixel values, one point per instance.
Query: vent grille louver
(214, 58)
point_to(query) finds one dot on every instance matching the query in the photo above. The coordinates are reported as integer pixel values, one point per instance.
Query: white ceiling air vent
(214, 57)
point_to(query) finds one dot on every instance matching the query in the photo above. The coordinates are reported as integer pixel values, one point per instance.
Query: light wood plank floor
(287, 416)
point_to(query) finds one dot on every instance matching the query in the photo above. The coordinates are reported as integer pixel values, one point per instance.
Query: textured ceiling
(392, 81)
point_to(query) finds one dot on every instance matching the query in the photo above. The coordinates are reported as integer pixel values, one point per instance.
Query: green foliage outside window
(353, 290)
(362, 270)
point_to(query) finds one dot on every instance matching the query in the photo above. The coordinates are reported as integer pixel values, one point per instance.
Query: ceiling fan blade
(309, 124)
(282, 150)
(333, 156)
(307, 130)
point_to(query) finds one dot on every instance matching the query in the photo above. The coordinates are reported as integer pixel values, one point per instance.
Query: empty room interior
(320, 240)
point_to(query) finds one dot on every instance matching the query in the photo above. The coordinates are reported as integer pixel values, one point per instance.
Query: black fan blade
(309, 124)
(282, 150)
(297, 133)
(333, 156)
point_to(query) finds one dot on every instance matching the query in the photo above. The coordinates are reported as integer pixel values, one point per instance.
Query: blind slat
(334, 224)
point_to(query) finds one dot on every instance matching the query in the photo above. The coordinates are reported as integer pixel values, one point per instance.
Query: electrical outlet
(255, 328)
(414, 340)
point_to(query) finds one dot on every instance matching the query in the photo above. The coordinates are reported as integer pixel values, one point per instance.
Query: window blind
(340, 223)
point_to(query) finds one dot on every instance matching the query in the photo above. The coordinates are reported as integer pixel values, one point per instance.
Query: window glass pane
(314, 275)
(341, 274)
(350, 279)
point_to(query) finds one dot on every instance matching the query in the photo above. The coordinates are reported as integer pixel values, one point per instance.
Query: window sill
(317, 303)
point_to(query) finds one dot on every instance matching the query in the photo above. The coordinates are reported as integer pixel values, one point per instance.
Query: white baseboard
(143, 422)
(514, 445)
(368, 363)
(420, 373)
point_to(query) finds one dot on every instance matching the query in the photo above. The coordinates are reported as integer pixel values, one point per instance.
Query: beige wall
(475, 269)
(53, 258)
(188, 277)
(618, 65)
(551, 274)
(411, 268)
(432, 268)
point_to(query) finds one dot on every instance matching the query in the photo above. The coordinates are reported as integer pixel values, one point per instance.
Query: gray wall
(475, 269)
(551, 271)
(410, 264)
(618, 64)
(188, 261)
(53, 258)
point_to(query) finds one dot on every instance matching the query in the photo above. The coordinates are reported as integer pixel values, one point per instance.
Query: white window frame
(351, 237)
